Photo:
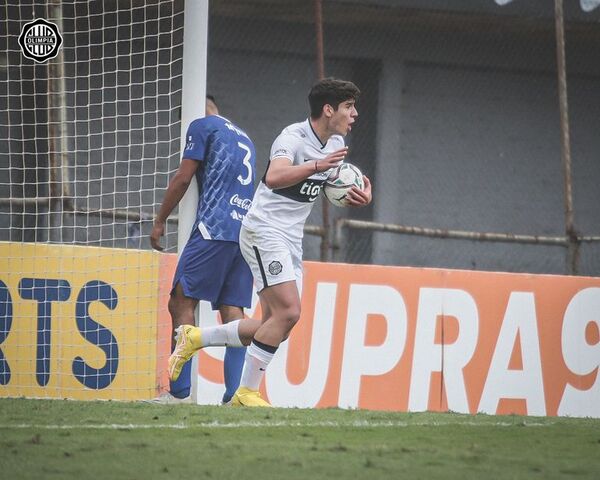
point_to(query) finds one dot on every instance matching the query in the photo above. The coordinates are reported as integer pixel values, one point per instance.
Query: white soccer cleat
(166, 398)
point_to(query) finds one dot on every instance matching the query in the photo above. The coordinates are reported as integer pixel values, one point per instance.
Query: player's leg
(235, 351)
(281, 304)
(272, 263)
(189, 339)
(182, 310)
(236, 332)
(198, 277)
(282, 313)
(229, 289)
(236, 357)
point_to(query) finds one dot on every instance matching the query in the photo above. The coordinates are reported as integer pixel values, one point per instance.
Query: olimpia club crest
(40, 40)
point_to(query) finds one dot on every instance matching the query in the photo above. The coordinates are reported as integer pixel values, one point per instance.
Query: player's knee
(173, 308)
(181, 314)
(290, 315)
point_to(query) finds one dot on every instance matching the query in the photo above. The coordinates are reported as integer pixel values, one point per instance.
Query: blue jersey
(225, 175)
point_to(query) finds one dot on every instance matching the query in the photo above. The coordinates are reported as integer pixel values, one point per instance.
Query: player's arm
(282, 173)
(359, 198)
(178, 185)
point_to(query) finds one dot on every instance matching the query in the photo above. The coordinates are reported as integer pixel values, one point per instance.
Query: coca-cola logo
(244, 203)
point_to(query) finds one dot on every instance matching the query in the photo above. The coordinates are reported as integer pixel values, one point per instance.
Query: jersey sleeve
(285, 145)
(196, 140)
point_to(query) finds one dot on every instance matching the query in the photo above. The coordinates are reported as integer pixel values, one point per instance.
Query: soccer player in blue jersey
(222, 159)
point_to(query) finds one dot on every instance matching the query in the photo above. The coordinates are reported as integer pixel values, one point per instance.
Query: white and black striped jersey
(286, 209)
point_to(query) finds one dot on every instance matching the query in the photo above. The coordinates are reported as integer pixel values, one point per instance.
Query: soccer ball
(340, 180)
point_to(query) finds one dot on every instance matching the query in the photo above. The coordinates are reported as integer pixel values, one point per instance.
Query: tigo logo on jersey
(40, 40)
(311, 190)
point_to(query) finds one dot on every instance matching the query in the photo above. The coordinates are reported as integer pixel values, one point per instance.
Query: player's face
(343, 118)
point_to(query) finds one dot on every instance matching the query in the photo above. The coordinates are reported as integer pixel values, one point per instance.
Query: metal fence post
(573, 246)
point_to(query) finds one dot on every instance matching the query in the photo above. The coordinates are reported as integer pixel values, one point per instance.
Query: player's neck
(319, 126)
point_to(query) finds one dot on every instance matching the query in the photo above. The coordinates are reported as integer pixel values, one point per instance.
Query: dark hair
(211, 98)
(330, 91)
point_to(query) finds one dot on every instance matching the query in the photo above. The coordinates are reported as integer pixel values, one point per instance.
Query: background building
(459, 127)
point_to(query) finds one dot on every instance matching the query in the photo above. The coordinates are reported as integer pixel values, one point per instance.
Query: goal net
(90, 139)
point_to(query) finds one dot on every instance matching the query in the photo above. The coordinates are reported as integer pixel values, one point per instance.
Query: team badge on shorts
(275, 267)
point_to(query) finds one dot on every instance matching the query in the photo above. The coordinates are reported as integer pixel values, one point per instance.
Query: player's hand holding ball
(357, 197)
(346, 186)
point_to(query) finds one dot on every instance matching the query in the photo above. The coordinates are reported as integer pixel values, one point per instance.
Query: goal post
(193, 103)
(195, 39)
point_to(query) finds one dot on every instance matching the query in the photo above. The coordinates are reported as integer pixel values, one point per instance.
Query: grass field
(47, 439)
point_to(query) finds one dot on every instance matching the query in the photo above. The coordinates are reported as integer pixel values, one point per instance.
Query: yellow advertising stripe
(80, 322)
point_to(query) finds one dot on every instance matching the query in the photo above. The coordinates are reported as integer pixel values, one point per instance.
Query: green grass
(47, 439)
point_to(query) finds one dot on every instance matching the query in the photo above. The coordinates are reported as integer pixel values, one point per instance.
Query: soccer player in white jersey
(271, 234)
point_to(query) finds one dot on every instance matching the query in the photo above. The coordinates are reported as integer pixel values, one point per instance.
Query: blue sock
(180, 388)
(232, 370)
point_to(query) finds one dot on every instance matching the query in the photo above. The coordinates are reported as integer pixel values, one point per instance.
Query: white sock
(222, 335)
(255, 363)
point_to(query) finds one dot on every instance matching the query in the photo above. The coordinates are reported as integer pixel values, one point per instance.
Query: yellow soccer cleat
(244, 397)
(188, 341)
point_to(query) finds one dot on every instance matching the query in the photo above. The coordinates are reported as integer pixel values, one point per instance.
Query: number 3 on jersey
(247, 164)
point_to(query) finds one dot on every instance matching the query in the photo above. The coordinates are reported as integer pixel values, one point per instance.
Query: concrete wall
(466, 133)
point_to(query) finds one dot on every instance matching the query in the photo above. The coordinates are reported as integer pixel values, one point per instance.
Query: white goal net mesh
(89, 141)
(92, 135)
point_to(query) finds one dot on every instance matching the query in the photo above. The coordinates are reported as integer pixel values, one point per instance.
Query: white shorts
(271, 257)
